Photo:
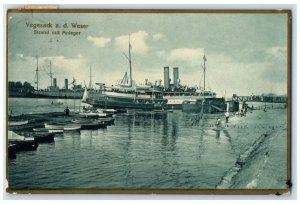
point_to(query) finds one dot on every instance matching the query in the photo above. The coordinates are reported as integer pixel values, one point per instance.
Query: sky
(246, 53)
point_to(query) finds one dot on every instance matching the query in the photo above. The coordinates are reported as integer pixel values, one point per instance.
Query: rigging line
(209, 87)
(201, 80)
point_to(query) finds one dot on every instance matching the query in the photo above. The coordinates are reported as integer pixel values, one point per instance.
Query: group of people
(245, 108)
(243, 112)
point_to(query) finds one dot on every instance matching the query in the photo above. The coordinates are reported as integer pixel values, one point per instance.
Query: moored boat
(65, 126)
(24, 145)
(56, 131)
(57, 103)
(54, 125)
(47, 130)
(125, 95)
(72, 127)
(41, 138)
(12, 151)
(203, 100)
(87, 124)
(21, 143)
(109, 111)
(192, 105)
(89, 114)
(53, 91)
(40, 130)
(215, 105)
(38, 136)
(107, 120)
(17, 122)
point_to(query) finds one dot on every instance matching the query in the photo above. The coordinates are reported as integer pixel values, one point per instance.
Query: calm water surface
(141, 150)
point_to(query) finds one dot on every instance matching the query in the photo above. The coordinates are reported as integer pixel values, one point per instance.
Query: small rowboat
(102, 115)
(109, 111)
(107, 121)
(40, 137)
(53, 127)
(87, 124)
(23, 145)
(17, 122)
(12, 151)
(56, 131)
(89, 115)
(20, 143)
(56, 103)
(62, 126)
(40, 130)
(72, 127)
(47, 130)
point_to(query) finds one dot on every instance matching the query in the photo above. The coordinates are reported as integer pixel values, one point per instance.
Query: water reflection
(142, 149)
(164, 139)
(226, 133)
(218, 136)
(174, 135)
(127, 148)
(201, 147)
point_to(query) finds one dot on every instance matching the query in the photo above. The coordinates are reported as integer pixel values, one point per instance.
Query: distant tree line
(18, 87)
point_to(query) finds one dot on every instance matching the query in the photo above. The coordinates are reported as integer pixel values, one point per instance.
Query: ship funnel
(54, 82)
(176, 77)
(66, 84)
(166, 77)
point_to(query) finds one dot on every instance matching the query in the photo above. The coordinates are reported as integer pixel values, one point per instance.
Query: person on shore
(227, 116)
(242, 112)
(67, 111)
(218, 122)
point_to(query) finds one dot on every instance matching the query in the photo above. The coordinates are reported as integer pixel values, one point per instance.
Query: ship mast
(204, 69)
(50, 74)
(37, 73)
(130, 63)
(90, 84)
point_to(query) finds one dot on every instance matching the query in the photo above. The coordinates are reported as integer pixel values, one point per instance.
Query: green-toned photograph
(148, 101)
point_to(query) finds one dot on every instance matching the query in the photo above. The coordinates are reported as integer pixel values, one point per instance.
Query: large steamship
(126, 94)
(177, 94)
(183, 97)
(53, 91)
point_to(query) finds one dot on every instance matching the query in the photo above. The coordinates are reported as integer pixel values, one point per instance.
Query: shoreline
(263, 164)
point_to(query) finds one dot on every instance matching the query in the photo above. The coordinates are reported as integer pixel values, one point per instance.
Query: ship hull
(128, 103)
(176, 102)
(215, 105)
(58, 94)
(173, 106)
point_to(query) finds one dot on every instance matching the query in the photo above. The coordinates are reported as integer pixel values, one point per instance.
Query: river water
(144, 150)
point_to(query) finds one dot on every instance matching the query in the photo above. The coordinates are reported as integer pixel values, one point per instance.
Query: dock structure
(261, 98)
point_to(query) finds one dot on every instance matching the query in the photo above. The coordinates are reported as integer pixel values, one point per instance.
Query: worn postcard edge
(55, 9)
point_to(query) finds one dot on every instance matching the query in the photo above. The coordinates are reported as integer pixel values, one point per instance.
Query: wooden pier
(261, 98)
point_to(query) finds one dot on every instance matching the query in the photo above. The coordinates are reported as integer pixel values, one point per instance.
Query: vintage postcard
(148, 101)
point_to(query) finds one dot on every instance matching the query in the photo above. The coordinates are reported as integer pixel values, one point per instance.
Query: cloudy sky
(246, 53)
